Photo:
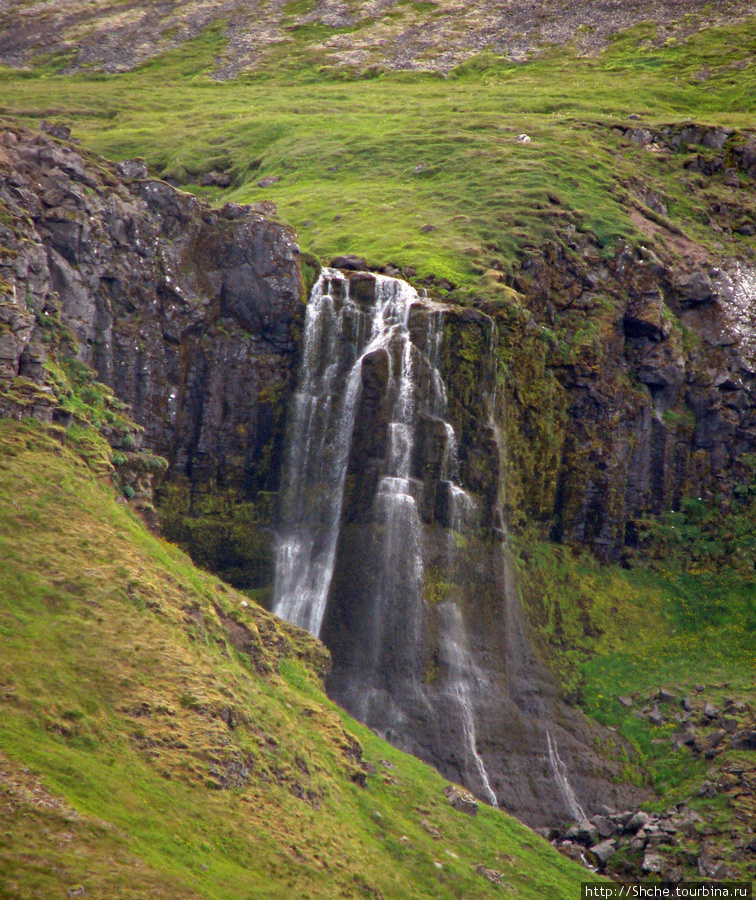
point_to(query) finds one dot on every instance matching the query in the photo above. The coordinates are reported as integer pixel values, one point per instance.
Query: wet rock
(587, 833)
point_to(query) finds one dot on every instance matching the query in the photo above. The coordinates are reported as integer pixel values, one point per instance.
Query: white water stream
(341, 331)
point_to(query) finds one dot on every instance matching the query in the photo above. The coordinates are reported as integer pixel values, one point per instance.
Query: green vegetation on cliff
(161, 737)
(417, 169)
(645, 649)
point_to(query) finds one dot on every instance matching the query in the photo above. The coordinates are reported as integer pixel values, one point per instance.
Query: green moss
(221, 532)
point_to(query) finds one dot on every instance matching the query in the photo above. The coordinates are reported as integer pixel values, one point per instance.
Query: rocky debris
(679, 844)
(461, 800)
(492, 875)
(431, 829)
(655, 717)
(625, 701)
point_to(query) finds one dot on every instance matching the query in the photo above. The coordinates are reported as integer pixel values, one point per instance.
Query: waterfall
(462, 677)
(560, 776)
(354, 323)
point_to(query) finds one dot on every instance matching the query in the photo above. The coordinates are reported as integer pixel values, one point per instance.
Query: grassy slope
(194, 769)
(391, 154)
(675, 624)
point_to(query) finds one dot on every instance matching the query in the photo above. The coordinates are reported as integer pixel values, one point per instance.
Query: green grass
(613, 632)
(366, 162)
(160, 738)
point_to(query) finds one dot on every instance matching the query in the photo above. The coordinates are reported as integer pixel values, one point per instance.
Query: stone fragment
(744, 740)
(707, 790)
(656, 718)
(603, 852)
(132, 168)
(432, 830)
(666, 696)
(652, 864)
(492, 875)
(710, 711)
(637, 821)
(461, 800)
(268, 181)
(695, 289)
(625, 701)
(350, 263)
(686, 704)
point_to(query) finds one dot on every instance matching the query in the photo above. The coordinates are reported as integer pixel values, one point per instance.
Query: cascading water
(560, 776)
(350, 328)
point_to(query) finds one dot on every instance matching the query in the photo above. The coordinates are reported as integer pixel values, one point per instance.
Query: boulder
(604, 827)
(587, 832)
(695, 289)
(744, 740)
(461, 800)
(652, 864)
(637, 821)
(603, 852)
(350, 263)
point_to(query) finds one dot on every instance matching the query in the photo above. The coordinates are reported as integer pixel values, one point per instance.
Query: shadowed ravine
(390, 559)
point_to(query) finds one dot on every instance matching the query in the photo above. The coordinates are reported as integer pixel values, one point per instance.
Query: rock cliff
(190, 315)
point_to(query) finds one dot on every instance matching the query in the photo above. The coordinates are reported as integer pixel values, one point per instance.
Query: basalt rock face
(190, 315)
(652, 368)
(632, 375)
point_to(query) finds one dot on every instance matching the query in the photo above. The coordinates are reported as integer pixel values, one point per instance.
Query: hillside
(543, 547)
(159, 735)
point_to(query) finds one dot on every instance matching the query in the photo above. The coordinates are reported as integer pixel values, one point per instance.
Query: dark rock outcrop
(191, 315)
